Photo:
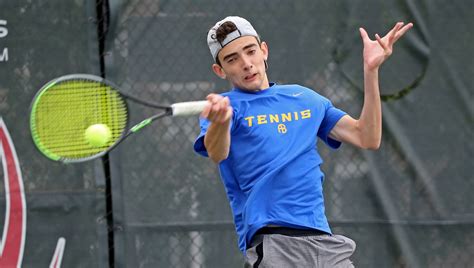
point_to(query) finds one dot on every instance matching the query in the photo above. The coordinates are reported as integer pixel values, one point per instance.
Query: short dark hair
(222, 32)
(225, 29)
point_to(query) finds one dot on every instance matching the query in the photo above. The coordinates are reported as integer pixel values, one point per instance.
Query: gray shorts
(315, 251)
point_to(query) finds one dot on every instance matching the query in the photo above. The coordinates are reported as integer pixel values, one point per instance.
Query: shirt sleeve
(331, 116)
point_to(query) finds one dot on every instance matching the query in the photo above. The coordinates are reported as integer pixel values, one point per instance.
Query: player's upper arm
(347, 130)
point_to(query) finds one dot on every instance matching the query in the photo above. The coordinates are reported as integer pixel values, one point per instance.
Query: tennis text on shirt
(262, 119)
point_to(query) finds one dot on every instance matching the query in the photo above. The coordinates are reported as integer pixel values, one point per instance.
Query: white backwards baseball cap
(244, 28)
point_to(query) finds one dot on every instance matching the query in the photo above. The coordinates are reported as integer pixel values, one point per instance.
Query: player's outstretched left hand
(378, 50)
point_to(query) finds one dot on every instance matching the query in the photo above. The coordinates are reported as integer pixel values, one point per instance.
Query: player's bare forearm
(217, 138)
(217, 141)
(370, 121)
(365, 132)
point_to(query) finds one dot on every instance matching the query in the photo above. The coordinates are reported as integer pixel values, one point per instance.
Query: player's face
(242, 63)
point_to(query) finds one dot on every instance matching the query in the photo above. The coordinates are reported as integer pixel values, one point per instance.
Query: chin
(252, 86)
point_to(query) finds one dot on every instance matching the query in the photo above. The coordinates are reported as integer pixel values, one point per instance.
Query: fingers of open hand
(402, 31)
(386, 46)
(398, 31)
(381, 41)
(364, 35)
(393, 32)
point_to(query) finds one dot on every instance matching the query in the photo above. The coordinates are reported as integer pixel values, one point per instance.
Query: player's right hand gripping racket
(67, 106)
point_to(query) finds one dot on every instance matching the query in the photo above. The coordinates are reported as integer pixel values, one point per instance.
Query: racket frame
(166, 111)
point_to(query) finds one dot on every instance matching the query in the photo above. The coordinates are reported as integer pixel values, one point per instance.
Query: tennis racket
(65, 108)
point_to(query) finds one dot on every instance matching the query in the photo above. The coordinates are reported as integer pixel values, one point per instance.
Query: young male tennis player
(263, 137)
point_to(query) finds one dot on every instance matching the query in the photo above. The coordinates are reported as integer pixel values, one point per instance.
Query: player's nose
(246, 63)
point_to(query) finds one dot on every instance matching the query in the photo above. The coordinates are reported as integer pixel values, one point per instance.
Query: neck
(265, 83)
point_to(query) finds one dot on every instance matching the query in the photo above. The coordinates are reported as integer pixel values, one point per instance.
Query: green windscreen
(62, 111)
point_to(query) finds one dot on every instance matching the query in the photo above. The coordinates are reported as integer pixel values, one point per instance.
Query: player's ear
(218, 70)
(264, 48)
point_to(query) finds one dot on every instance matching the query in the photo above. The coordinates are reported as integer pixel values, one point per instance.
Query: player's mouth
(250, 77)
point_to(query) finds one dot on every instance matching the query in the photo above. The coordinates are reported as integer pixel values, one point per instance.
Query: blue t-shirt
(272, 174)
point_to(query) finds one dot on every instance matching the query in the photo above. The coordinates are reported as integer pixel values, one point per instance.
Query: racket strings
(66, 109)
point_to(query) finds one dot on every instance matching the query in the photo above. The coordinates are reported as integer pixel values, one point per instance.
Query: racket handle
(188, 108)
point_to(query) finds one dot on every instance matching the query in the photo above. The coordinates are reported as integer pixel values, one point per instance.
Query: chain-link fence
(393, 202)
(407, 205)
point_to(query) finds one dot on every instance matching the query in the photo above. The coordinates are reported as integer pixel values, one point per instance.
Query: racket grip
(188, 108)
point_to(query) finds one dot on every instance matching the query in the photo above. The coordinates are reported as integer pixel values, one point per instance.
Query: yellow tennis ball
(98, 135)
